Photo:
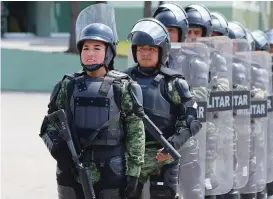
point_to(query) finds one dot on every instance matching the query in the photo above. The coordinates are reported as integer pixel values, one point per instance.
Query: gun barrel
(158, 135)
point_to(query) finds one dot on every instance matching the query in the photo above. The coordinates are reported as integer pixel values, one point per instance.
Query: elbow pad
(183, 89)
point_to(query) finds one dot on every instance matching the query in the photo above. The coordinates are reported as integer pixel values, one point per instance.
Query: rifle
(85, 175)
(155, 132)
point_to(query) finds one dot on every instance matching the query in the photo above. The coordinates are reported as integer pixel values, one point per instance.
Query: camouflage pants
(151, 166)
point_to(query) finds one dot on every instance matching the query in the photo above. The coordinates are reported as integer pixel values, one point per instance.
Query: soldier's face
(147, 56)
(195, 32)
(173, 32)
(93, 52)
(215, 34)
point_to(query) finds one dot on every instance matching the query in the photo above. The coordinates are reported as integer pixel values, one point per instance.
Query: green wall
(38, 71)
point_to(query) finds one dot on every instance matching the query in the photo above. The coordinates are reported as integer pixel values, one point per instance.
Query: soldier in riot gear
(108, 135)
(199, 21)
(174, 18)
(219, 24)
(236, 30)
(167, 101)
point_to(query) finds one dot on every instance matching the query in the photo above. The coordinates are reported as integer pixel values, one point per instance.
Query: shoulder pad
(117, 75)
(183, 89)
(73, 75)
(170, 73)
(218, 59)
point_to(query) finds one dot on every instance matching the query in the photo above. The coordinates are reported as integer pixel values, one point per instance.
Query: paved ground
(28, 171)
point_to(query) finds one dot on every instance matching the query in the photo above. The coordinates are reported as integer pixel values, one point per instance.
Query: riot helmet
(236, 30)
(199, 16)
(172, 15)
(149, 31)
(261, 41)
(98, 32)
(219, 23)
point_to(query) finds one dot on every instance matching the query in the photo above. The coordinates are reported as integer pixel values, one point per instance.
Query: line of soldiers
(204, 83)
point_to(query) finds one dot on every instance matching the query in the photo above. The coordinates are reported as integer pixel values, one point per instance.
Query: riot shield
(260, 62)
(184, 59)
(241, 66)
(130, 58)
(269, 129)
(97, 13)
(219, 141)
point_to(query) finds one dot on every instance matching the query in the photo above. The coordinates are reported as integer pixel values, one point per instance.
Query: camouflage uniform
(133, 125)
(151, 166)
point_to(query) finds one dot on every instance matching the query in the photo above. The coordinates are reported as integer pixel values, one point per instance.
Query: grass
(122, 48)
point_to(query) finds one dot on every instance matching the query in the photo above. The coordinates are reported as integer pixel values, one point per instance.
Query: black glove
(130, 186)
(59, 151)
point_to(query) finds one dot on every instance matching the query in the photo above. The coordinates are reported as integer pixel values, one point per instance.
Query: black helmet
(219, 23)
(149, 31)
(200, 16)
(250, 40)
(261, 40)
(236, 30)
(269, 34)
(173, 15)
(98, 32)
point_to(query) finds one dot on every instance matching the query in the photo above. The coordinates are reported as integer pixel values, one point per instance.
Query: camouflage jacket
(133, 127)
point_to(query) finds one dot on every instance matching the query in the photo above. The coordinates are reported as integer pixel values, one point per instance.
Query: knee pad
(164, 186)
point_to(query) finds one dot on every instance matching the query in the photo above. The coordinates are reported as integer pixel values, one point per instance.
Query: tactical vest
(91, 109)
(156, 104)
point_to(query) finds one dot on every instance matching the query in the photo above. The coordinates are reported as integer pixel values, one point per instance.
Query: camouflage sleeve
(60, 101)
(258, 94)
(219, 84)
(135, 133)
(199, 94)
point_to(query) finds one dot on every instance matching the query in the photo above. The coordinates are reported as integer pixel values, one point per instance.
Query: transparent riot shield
(130, 59)
(269, 129)
(260, 73)
(185, 59)
(97, 13)
(219, 141)
(241, 66)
